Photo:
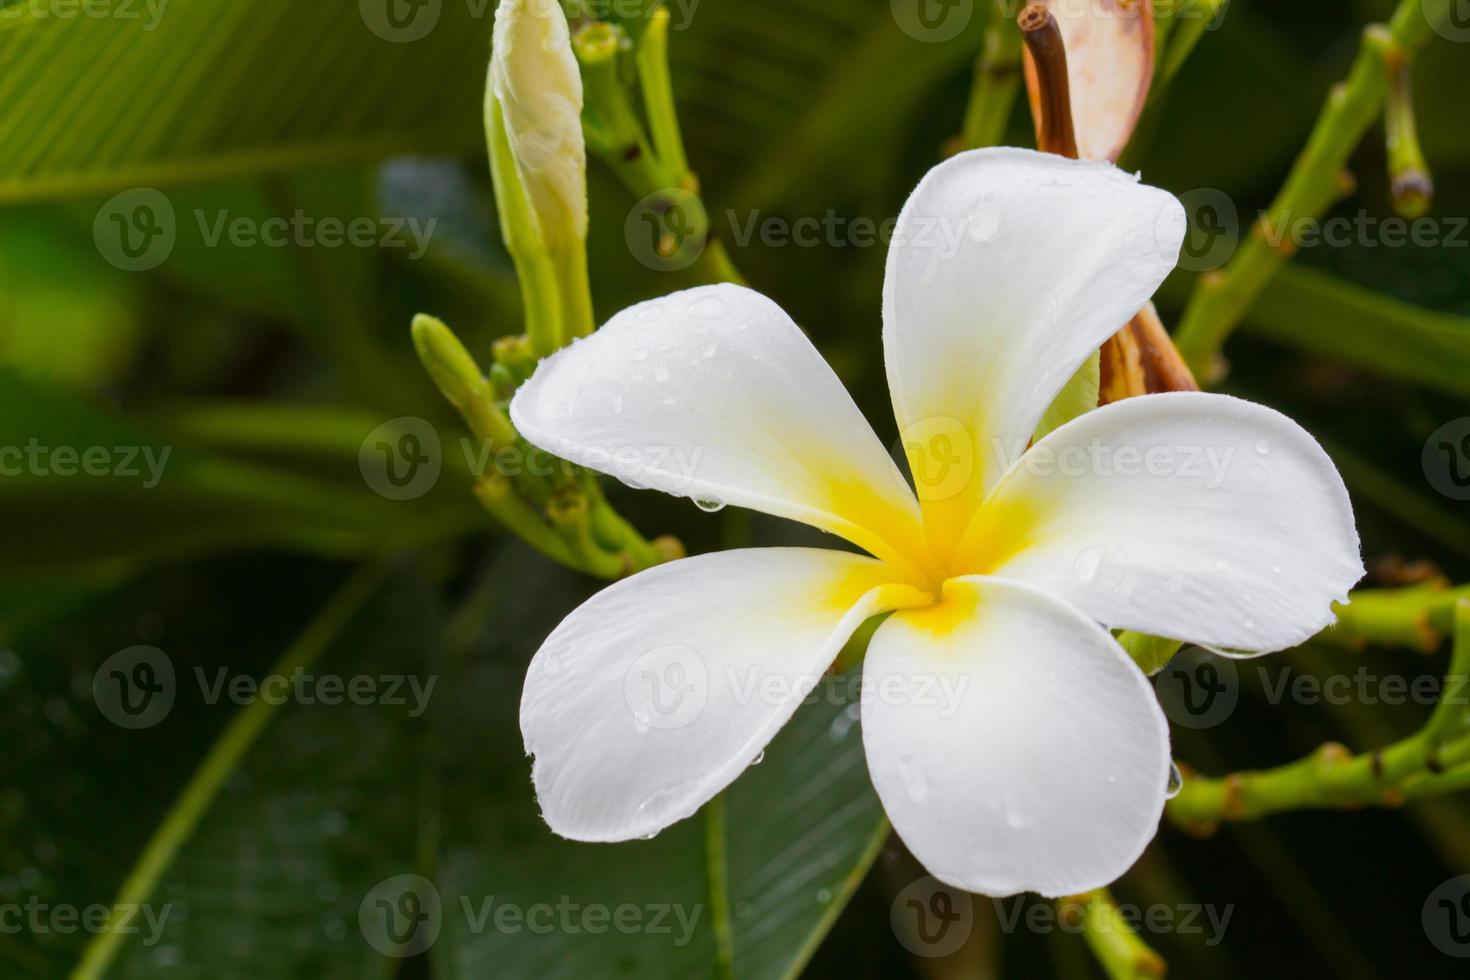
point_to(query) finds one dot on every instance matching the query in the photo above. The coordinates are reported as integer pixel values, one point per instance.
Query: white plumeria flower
(1007, 270)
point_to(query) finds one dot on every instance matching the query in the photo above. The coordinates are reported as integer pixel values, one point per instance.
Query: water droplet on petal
(708, 307)
(824, 896)
(983, 225)
(1017, 818)
(1087, 564)
(709, 349)
(1173, 585)
(617, 404)
(843, 723)
(709, 505)
(1263, 448)
(660, 373)
(1176, 782)
(640, 354)
(761, 757)
(914, 781)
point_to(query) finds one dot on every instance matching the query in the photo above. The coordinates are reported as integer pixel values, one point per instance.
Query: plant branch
(1315, 184)
(997, 81)
(1117, 947)
(1435, 759)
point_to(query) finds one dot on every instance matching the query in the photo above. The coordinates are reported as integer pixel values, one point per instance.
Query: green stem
(242, 733)
(1334, 777)
(1183, 32)
(1117, 947)
(717, 869)
(1419, 617)
(997, 81)
(575, 290)
(1409, 178)
(1315, 183)
(658, 93)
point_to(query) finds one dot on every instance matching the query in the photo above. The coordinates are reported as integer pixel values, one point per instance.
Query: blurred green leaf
(162, 93)
(147, 499)
(1327, 316)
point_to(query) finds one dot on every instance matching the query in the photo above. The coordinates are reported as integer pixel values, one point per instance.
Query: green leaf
(213, 89)
(148, 499)
(803, 826)
(298, 814)
(1324, 315)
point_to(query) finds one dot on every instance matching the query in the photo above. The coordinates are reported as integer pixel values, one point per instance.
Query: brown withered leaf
(1110, 65)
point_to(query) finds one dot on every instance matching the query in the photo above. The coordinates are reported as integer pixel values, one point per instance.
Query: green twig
(1183, 31)
(717, 868)
(1118, 948)
(997, 81)
(1419, 617)
(1315, 184)
(1433, 760)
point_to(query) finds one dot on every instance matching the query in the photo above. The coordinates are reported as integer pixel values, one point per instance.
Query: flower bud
(535, 88)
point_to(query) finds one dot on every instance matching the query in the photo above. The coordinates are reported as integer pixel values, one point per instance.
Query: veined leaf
(157, 93)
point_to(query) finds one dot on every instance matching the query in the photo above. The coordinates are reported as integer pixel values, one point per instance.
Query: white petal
(1191, 516)
(715, 394)
(1007, 270)
(1014, 744)
(658, 691)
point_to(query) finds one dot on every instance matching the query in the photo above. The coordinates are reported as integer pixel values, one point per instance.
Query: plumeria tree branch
(1436, 759)
(997, 81)
(1418, 618)
(537, 133)
(1115, 944)
(1183, 28)
(1316, 182)
(645, 149)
